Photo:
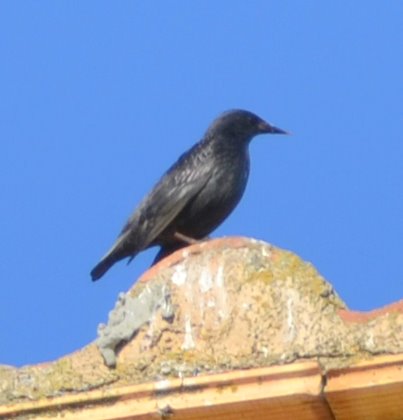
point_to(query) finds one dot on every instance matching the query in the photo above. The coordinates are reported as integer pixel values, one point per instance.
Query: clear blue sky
(99, 98)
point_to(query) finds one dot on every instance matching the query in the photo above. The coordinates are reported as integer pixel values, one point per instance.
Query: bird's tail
(102, 267)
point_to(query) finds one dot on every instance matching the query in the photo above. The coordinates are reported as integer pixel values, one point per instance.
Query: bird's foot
(186, 239)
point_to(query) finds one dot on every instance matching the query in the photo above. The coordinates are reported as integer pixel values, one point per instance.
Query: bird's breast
(220, 195)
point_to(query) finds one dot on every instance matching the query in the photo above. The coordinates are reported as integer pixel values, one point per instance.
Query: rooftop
(230, 328)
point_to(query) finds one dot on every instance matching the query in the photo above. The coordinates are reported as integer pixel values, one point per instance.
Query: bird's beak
(267, 128)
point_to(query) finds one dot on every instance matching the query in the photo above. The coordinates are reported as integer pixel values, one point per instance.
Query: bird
(195, 195)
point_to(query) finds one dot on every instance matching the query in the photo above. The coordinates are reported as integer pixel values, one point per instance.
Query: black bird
(195, 195)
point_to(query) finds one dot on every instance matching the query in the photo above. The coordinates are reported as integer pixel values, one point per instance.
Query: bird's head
(240, 125)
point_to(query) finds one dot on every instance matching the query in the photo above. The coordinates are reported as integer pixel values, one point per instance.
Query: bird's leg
(188, 240)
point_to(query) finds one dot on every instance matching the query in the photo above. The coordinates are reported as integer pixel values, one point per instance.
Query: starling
(195, 195)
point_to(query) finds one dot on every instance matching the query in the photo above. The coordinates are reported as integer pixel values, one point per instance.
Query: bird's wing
(182, 183)
(179, 186)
